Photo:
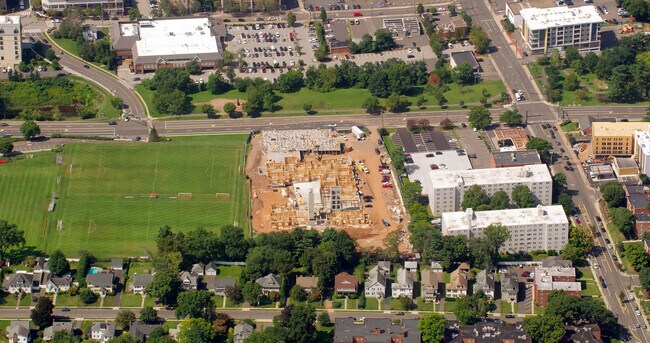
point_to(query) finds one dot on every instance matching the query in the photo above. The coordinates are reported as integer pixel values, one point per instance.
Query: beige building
(11, 50)
(614, 139)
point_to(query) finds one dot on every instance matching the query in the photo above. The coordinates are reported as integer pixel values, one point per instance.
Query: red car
(433, 166)
(525, 274)
(358, 14)
(386, 185)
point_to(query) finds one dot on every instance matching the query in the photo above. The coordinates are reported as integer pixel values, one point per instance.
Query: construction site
(321, 178)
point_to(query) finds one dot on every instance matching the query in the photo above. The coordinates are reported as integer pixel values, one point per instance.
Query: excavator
(627, 28)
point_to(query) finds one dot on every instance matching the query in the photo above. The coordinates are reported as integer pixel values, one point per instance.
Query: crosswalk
(32, 30)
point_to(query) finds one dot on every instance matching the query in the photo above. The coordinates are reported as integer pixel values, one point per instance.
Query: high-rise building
(614, 139)
(449, 186)
(11, 49)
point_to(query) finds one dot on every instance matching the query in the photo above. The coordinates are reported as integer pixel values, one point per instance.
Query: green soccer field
(105, 189)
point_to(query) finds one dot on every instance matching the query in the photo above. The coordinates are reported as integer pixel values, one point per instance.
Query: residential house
(509, 287)
(41, 265)
(189, 281)
(384, 267)
(117, 263)
(641, 224)
(411, 266)
(48, 332)
(555, 278)
(241, 332)
(269, 283)
(19, 282)
(430, 284)
(211, 269)
(404, 284)
(140, 283)
(485, 282)
(102, 331)
(307, 282)
(198, 269)
(345, 283)
(380, 330)
(142, 331)
(218, 285)
(457, 286)
(101, 282)
(436, 267)
(18, 332)
(55, 284)
(375, 287)
(586, 333)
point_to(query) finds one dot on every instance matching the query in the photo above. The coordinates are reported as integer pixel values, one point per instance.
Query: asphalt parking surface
(474, 146)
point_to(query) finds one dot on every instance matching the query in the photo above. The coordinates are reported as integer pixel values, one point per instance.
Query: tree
(10, 236)
(234, 242)
(148, 315)
(222, 323)
(575, 310)
(173, 102)
(64, 337)
(545, 328)
(421, 100)
(614, 194)
(420, 8)
(196, 330)
(566, 202)
(87, 296)
(638, 8)
(193, 67)
(41, 314)
(396, 103)
(378, 84)
(580, 238)
(324, 319)
(637, 256)
(511, 117)
(307, 108)
(644, 278)
(164, 286)
(522, 196)
(125, 319)
(323, 14)
(58, 263)
(571, 82)
(479, 117)
(384, 40)
(125, 337)
(499, 201)
(196, 304)
(432, 327)
(134, 13)
(234, 294)
(411, 193)
(291, 18)
(622, 218)
(474, 197)
(543, 147)
(216, 83)
(301, 326)
(559, 182)
(252, 292)
(464, 74)
(486, 248)
(229, 108)
(480, 39)
(36, 4)
(290, 82)
(371, 104)
(471, 308)
(153, 135)
(298, 293)
(452, 10)
(30, 129)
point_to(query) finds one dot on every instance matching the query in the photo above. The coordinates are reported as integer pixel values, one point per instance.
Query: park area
(112, 197)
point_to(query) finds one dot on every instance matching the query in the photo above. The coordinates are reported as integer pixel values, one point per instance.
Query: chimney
(514, 158)
(469, 215)
(540, 210)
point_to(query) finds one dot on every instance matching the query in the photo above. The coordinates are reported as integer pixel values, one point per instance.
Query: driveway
(471, 142)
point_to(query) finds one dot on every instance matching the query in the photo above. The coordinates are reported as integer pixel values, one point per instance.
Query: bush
(87, 296)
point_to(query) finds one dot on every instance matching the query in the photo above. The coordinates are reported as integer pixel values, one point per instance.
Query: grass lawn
(450, 305)
(539, 310)
(585, 273)
(130, 300)
(570, 127)
(231, 304)
(109, 301)
(372, 304)
(103, 193)
(536, 71)
(218, 300)
(352, 304)
(149, 301)
(229, 271)
(506, 308)
(424, 306)
(589, 288)
(105, 108)
(63, 300)
(447, 277)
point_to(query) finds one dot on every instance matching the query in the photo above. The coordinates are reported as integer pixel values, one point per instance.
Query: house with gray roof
(103, 282)
(436, 267)
(485, 282)
(140, 283)
(211, 269)
(48, 332)
(509, 287)
(376, 330)
(117, 263)
(309, 283)
(189, 281)
(41, 265)
(142, 331)
(55, 284)
(375, 286)
(269, 283)
(241, 332)
(403, 285)
(430, 284)
(198, 269)
(19, 282)
(102, 331)
(18, 332)
(218, 285)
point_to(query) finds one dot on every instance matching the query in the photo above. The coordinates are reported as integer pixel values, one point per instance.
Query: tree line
(100, 51)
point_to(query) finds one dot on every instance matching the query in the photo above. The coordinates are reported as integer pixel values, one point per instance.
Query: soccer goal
(223, 195)
(185, 196)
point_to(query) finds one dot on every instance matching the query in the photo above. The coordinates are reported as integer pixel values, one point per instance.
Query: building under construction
(320, 187)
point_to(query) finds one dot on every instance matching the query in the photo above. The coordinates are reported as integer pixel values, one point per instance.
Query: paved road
(112, 84)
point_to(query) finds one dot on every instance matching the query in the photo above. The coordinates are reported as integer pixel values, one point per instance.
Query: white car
(638, 313)
(595, 265)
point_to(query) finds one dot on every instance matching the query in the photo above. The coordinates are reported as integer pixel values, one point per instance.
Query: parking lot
(266, 50)
(470, 141)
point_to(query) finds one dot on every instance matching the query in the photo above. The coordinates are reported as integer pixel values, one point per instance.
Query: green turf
(93, 208)
(130, 300)
(424, 306)
(372, 304)
(229, 271)
(506, 307)
(570, 127)
(450, 305)
(589, 288)
(148, 95)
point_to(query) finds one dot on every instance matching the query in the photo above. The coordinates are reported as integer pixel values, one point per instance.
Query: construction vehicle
(627, 28)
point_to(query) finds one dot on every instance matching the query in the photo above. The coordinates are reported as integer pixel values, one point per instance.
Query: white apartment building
(112, 7)
(642, 150)
(545, 29)
(448, 186)
(540, 228)
(11, 48)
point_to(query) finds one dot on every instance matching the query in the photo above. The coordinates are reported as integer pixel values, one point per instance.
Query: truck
(357, 132)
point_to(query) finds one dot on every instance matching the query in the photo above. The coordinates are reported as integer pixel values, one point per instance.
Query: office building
(546, 29)
(11, 49)
(112, 7)
(642, 150)
(448, 186)
(150, 44)
(614, 139)
(540, 228)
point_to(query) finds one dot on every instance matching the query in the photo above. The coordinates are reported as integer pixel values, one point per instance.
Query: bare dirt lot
(385, 204)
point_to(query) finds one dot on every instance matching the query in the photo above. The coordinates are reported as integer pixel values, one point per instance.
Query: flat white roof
(421, 166)
(175, 37)
(128, 29)
(643, 141)
(542, 18)
(302, 190)
(9, 19)
(451, 178)
(553, 214)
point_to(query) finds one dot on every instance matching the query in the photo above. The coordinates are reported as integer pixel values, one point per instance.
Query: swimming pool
(94, 270)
